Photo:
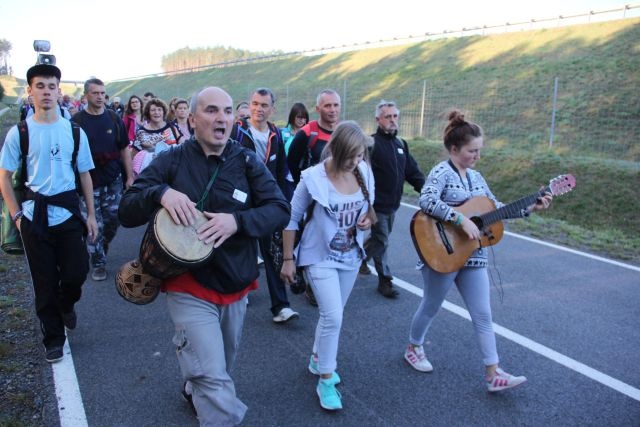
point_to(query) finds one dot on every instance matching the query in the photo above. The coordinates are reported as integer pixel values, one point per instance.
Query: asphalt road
(576, 307)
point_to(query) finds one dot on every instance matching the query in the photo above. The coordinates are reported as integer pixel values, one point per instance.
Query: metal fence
(554, 113)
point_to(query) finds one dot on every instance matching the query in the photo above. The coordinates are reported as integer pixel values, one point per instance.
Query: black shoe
(364, 269)
(310, 296)
(385, 287)
(70, 319)
(188, 398)
(53, 354)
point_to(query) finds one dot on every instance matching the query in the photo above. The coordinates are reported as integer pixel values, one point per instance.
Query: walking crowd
(314, 200)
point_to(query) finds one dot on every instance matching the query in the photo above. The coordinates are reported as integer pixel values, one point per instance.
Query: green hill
(505, 82)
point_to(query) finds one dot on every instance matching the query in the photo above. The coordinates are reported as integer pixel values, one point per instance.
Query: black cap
(43, 70)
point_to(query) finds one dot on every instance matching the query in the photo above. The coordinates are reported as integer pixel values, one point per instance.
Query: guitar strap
(458, 172)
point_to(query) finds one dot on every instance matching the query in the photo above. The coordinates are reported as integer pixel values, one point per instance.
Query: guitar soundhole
(478, 222)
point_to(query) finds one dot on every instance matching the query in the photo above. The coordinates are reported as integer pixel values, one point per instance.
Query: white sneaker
(417, 359)
(285, 315)
(502, 381)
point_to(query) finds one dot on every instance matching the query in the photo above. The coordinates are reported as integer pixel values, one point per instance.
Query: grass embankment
(599, 216)
(505, 81)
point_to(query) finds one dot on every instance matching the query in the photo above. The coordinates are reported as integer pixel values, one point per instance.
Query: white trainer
(414, 355)
(502, 381)
(285, 315)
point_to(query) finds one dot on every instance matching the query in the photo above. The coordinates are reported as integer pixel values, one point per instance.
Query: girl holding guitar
(449, 184)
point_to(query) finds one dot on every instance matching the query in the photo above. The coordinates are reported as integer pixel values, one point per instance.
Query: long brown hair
(345, 143)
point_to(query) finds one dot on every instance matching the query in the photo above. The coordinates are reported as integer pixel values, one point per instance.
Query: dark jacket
(276, 160)
(392, 165)
(306, 148)
(185, 168)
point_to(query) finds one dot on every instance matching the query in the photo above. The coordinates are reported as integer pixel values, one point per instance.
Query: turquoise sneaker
(313, 368)
(330, 398)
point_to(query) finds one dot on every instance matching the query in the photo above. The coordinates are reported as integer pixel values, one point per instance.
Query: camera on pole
(42, 47)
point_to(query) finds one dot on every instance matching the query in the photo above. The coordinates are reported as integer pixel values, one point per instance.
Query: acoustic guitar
(446, 247)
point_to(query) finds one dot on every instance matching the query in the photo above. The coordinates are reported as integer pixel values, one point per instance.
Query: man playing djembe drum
(242, 202)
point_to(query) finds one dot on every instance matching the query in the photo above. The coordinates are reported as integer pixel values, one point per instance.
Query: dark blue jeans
(59, 264)
(277, 288)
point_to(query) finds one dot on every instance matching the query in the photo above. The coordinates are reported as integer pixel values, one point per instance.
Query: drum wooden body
(169, 249)
(135, 285)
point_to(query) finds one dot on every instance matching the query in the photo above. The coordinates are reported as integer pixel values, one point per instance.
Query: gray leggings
(473, 285)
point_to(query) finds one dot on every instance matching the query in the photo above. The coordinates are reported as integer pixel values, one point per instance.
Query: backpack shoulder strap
(116, 122)
(177, 135)
(75, 132)
(314, 130)
(23, 130)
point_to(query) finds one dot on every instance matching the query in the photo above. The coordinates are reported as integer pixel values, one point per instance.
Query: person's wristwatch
(17, 216)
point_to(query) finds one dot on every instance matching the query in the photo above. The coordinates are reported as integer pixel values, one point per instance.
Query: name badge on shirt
(240, 196)
(400, 151)
(272, 158)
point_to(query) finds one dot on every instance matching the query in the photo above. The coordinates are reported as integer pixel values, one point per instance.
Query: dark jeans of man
(277, 288)
(59, 264)
(378, 242)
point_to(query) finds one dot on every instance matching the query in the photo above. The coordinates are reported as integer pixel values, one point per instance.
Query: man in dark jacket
(258, 134)
(242, 202)
(392, 165)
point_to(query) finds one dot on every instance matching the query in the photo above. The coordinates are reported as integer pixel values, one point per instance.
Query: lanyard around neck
(205, 194)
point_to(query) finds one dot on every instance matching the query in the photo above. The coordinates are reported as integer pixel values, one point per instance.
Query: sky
(127, 38)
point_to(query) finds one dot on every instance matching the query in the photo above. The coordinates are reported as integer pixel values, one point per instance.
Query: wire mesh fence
(605, 125)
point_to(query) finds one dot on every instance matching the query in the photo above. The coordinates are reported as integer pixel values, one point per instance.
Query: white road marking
(70, 407)
(527, 343)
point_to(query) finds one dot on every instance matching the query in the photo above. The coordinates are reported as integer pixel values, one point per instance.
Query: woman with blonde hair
(335, 201)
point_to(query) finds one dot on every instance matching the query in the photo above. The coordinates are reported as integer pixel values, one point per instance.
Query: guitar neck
(512, 210)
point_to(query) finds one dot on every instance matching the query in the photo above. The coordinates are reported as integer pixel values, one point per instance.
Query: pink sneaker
(502, 381)
(417, 359)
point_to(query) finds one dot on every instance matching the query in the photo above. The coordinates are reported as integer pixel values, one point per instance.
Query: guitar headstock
(562, 184)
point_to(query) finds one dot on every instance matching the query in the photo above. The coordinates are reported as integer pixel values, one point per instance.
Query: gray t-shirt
(260, 140)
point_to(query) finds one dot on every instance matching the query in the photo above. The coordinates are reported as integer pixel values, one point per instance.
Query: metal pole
(424, 96)
(288, 107)
(553, 111)
(344, 100)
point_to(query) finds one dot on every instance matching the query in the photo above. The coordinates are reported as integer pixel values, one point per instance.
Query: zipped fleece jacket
(243, 187)
(276, 159)
(392, 165)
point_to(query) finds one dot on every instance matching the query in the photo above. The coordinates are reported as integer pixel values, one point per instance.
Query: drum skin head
(180, 240)
(136, 286)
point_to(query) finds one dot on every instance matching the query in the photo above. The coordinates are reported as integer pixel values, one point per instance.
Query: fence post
(553, 111)
(344, 100)
(288, 107)
(424, 96)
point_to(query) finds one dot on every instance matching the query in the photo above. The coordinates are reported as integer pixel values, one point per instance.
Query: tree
(5, 48)
(186, 57)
